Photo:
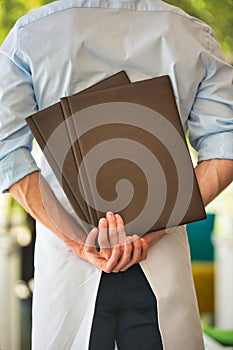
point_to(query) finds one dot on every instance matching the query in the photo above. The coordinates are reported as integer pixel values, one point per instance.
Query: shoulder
(182, 15)
(40, 13)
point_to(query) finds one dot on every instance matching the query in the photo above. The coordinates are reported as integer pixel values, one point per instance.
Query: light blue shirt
(68, 45)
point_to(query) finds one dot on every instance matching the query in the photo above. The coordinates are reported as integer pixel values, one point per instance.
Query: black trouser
(125, 312)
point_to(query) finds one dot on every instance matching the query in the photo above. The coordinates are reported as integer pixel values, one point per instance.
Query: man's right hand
(117, 250)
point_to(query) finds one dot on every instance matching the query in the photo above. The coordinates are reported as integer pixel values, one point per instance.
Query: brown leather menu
(132, 155)
(50, 131)
(121, 147)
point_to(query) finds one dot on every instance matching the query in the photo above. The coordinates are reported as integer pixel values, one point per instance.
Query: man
(61, 49)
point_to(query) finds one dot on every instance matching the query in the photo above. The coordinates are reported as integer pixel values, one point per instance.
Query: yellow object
(203, 274)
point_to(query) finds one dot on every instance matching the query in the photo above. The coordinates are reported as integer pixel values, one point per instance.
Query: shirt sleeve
(17, 101)
(211, 118)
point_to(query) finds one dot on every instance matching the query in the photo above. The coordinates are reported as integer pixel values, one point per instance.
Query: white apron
(66, 289)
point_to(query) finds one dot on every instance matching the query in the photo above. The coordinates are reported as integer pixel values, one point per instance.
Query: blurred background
(211, 241)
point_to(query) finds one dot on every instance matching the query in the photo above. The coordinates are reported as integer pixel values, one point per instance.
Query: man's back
(67, 46)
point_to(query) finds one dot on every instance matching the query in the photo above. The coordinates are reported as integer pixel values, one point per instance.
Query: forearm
(37, 198)
(153, 237)
(213, 177)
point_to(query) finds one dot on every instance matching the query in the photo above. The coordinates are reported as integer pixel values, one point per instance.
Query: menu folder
(50, 131)
(126, 152)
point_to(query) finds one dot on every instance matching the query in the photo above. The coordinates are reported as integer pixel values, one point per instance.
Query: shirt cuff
(215, 146)
(15, 166)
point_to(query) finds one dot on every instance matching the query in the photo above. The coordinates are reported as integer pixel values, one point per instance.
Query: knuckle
(88, 248)
(111, 231)
(135, 259)
(102, 252)
(121, 231)
(127, 260)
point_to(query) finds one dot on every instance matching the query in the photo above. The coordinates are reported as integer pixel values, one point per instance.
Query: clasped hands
(116, 252)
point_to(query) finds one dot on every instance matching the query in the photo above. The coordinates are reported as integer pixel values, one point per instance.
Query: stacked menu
(120, 146)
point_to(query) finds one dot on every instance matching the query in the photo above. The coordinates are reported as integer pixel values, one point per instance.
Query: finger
(91, 239)
(140, 250)
(113, 261)
(136, 253)
(112, 229)
(104, 244)
(103, 233)
(125, 258)
(120, 229)
(145, 248)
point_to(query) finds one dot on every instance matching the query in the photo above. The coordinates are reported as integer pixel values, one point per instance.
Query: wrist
(153, 237)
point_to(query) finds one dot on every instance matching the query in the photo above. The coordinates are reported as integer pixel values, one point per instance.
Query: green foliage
(11, 10)
(218, 14)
